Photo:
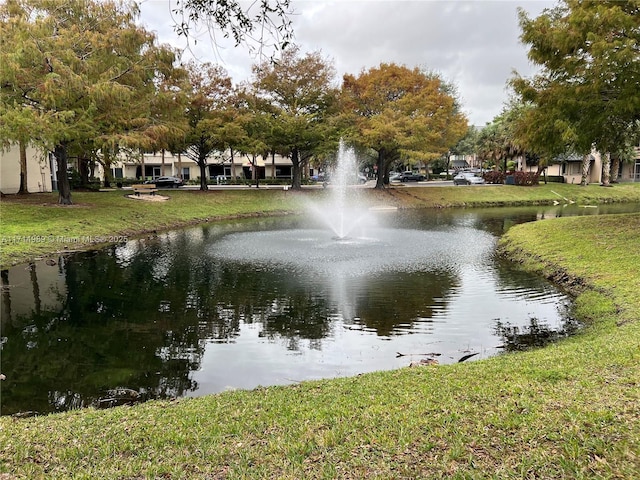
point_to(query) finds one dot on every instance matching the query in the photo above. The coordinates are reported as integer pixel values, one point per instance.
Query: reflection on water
(535, 334)
(205, 309)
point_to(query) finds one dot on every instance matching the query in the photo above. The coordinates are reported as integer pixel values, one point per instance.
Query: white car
(467, 178)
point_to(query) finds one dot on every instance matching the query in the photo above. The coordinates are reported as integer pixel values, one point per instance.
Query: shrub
(526, 178)
(494, 177)
(126, 182)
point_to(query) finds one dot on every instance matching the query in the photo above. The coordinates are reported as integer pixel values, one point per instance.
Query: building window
(151, 171)
(572, 168)
(283, 172)
(186, 173)
(117, 173)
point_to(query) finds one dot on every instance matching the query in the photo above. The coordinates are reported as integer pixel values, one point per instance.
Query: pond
(269, 302)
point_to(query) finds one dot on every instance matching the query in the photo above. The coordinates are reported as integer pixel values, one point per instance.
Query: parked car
(358, 178)
(394, 176)
(170, 182)
(411, 176)
(467, 178)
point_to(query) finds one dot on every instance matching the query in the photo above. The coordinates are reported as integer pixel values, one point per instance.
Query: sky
(473, 44)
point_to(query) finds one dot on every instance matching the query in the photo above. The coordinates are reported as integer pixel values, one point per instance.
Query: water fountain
(342, 236)
(343, 213)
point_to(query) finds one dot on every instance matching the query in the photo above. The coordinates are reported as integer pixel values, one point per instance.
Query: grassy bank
(570, 410)
(35, 225)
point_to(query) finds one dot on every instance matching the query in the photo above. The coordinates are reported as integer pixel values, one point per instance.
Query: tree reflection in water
(144, 315)
(535, 334)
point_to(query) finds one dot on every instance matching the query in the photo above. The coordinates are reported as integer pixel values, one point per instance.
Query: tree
(166, 107)
(467, 145)
(209, 93)
(79, 73)
(500, 141)
(16, 124)
(298, 95)
(227, 130)
(398, 111)
(586, 94)
(23, 169)
(626, 152)
(255, 127)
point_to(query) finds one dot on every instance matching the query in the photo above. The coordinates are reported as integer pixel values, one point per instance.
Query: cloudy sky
(471, 43)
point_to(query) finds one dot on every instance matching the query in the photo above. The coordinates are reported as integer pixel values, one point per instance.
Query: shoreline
(23, 241)
(568, 410)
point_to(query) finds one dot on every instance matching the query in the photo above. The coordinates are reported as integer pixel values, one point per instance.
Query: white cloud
(472, 43)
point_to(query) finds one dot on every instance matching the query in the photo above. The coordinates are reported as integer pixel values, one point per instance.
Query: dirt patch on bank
(148, 198)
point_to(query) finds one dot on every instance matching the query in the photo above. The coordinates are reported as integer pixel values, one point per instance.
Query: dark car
(411, 176)
(170, 182)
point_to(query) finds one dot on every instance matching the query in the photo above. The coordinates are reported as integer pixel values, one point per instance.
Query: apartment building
(42, 168)
(570, 168)
(152, 165)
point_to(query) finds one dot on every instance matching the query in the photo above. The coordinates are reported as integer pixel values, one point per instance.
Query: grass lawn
(570, 410)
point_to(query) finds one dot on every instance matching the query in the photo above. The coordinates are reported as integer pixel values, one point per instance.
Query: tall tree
(167, 125)
(587, 90)
(499, 141)
(77, 70)
(23, 169)
(209, 94)
(467, 145)
(298, 93)
(227, 129)
(401, 111)
(255, 127)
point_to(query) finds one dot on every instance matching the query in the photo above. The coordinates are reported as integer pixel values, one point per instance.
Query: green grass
(570, 410)
(596, 244)
(502, 195)
(36, 225)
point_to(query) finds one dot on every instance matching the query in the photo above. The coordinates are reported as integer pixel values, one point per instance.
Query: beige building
(571, 169)
(39, 171)
(41, 168)
(153, 165)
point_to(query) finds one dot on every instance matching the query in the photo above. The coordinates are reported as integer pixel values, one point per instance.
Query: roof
(571, 157)
(459, 164)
